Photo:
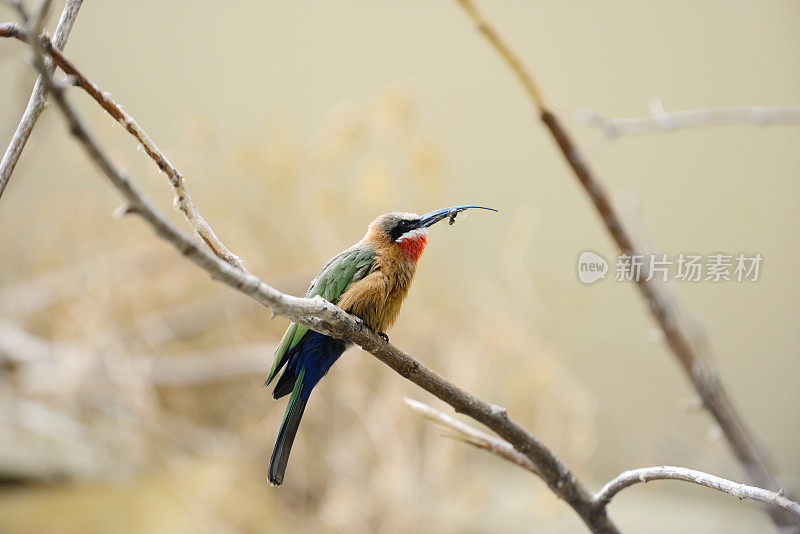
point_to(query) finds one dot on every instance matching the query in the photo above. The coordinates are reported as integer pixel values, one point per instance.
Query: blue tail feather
(316, 354)
(310, 362)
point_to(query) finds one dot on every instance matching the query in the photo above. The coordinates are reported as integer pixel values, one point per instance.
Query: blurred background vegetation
(130, 385)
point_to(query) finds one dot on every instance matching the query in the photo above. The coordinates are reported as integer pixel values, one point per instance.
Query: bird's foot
(383, 336)
(359, 324)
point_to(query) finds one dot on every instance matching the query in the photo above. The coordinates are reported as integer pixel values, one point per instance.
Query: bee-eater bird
(369, 280)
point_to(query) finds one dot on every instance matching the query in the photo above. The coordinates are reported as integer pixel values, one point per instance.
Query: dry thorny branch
(519, 446)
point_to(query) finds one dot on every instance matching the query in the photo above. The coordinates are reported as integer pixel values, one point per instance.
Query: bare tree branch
(664, 121)
(38, 99)
(471, 435)
(320, 315)
(503, 449)
(12, 29)
(182, 199)
(740, 491)
(699, 369)
(324, 317)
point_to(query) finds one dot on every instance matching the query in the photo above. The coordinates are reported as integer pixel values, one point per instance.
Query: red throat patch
(413, 246)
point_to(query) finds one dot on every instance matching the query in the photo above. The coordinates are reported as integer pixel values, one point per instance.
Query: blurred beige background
(296, 123)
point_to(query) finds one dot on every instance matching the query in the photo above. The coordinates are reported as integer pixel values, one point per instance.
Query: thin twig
(322, 316)
(699, 369)
(504, 449)
(740, 491)
(38, 98)
(665, 121)
(12, 29)
(472, 435)
(182, 199)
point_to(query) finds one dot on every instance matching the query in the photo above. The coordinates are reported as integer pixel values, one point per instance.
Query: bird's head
(408, 232)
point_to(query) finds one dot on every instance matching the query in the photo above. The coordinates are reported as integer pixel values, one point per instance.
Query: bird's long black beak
(429, 219)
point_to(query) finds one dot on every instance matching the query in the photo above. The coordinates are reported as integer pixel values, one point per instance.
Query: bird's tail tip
(286, 434)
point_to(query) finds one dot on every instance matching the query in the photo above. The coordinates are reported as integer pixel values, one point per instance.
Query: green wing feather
(342, 270)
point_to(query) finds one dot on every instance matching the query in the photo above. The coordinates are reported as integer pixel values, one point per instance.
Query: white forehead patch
(413, 234)
(406, 216)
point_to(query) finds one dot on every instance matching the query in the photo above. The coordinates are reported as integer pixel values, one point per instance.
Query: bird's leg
(359, 323)
(383, 336)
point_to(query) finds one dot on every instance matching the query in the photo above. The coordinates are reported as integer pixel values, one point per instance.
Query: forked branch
(324, 317)
(699, 369)
(182, 199)
(38, 99)
(504, 450)
(472, 435)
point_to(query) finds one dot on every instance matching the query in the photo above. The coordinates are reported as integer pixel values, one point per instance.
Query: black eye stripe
(401, 227)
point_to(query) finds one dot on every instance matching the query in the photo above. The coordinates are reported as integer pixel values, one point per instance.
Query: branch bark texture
(740, 491)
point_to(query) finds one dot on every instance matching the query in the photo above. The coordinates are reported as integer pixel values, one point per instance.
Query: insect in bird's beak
(429, 219)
